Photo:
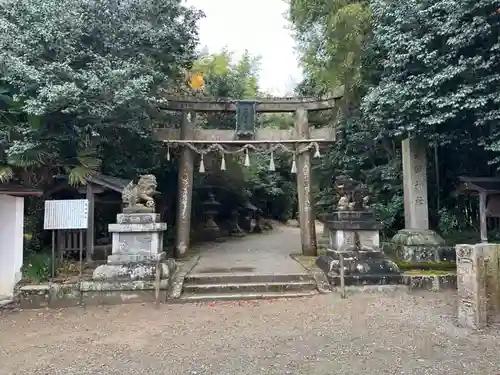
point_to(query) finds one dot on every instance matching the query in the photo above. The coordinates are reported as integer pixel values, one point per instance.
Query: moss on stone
(429, 266)
(427, 272)
(306, 261)
(413, 237)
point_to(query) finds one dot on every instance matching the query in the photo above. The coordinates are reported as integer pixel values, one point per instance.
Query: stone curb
(322, 283)
(434, 283)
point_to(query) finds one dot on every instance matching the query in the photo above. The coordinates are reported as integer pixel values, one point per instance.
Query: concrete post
(416, 243)
(91, 224)
(492, 259)
(415, 185)
(482, 217)
(305, 200)
(186, 166)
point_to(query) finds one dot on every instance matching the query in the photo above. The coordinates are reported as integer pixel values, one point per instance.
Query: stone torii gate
(189, 135)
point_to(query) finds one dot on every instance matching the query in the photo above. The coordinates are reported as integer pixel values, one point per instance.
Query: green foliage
(427, 69)
(272, 192)
(447, 222)
(440, 70)
(331, 35)
(37, 268)
(334, 43)
(74, 69)
(226, 78)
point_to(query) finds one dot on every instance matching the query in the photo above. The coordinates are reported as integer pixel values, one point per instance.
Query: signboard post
(66, 214)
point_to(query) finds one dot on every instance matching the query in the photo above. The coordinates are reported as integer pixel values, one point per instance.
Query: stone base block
(112, 284)
(361, 280)
(435, 283)
(141, 257)
(417, 237)
(117, 292)
(34, 296)
(357, 263)
(137, 227)
(138, 209)
(133, 271)
(121, 297)
(53, 295)
(130, 244)
(421, 254)
(412, 245)
(136, 218)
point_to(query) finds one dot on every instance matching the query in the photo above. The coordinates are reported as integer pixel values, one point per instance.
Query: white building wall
(11, 242)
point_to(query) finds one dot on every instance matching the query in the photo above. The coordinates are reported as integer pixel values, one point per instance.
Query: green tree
(271, 191)
(425, 69)
(335, 46)
(439, 82)
(331, 35)
(440, 71)
(77, 70)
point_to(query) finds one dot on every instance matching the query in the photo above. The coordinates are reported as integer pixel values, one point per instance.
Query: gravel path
(389, 333)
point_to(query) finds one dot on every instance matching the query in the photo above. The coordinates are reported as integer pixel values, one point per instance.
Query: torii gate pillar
(306, 206)
(185, 188)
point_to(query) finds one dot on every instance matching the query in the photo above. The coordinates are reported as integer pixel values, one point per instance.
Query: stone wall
(98, 292)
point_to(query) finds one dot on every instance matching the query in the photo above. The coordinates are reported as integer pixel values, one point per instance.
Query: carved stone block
(369, 239)
(471, 285)
(141, 228)
(342, 239)
(137, 218)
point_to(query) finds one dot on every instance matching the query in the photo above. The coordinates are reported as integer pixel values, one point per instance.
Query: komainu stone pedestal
(137, 245)
(137, 250)
(354, 235)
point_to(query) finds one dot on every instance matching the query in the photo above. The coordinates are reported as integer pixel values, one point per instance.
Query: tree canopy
(440, 70)
(411, 68)
(75, 71)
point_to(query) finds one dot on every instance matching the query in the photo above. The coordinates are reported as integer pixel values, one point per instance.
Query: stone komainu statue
(139, 198)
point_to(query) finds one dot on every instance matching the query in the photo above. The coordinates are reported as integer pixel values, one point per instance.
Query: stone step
(381, 279)
(250, 287)
(238, 278)
(242, 296)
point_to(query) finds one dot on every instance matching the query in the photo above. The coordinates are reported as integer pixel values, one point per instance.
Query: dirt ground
(384, 333)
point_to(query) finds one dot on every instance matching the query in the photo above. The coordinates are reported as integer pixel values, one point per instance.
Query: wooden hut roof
(112, 183)
(108, 182)
(476, 185)
(19, 190)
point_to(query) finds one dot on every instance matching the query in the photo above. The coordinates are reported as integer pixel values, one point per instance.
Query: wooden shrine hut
(100, 189)
(488, 191)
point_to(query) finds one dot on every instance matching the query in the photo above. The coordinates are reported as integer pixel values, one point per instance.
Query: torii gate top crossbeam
(180, 103)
